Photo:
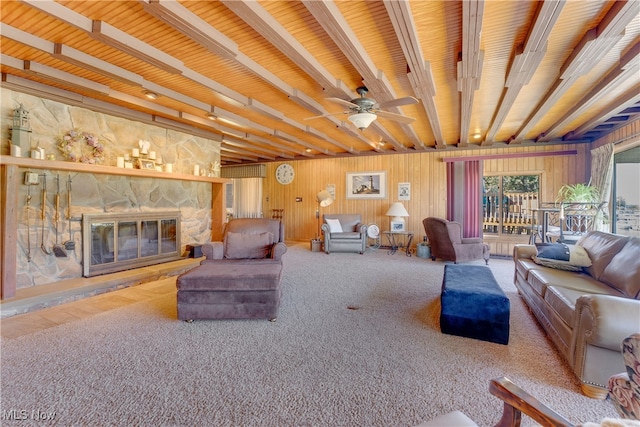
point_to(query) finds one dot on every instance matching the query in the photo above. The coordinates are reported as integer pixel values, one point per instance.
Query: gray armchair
(447, 243)
(351, 238)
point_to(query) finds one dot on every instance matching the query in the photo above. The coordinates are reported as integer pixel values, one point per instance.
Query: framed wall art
(367, 185)
(404, 191)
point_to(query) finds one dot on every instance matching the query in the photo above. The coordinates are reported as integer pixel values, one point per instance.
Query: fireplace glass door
(117, 242)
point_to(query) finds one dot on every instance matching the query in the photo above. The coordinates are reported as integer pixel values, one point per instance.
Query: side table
(397, 240)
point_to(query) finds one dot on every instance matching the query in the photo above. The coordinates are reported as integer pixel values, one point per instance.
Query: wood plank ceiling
(484, 73)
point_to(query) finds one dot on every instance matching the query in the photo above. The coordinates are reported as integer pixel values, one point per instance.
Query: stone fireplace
(115, 242)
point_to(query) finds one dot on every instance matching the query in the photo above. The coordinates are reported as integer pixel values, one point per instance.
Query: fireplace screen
(116, 242)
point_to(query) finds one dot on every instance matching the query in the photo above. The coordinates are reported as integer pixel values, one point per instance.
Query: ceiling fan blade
(407, 100)
(396, 117)
(325, 115)
(347, 104)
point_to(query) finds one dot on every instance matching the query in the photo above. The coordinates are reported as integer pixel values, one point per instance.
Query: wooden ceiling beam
(335, 25)
(595, 44)
(229, 147)
(525, 62)
(419, 72)
(192, 26)
(627, 69)
(117, 38)
(253, 147)
(470, 64)
(629, 99)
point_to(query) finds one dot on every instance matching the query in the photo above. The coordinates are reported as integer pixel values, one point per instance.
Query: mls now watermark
(24, 414)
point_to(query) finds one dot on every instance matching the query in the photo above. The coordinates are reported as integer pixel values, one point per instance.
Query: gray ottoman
(473, 305)
(230, 290)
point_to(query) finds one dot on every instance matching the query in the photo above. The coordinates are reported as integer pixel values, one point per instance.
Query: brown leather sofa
(586, 313)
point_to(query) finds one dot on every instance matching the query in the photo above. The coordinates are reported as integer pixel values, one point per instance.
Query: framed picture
(367, 185)
(397, 226)
(146, 164)
(404, 191)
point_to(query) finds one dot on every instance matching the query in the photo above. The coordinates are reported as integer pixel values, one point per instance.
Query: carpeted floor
(356, 343)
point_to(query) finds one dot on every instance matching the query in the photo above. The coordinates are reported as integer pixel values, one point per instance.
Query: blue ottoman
(473, 305)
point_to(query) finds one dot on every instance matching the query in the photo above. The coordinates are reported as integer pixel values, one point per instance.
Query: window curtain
(464, 191)
(601, 178)
(247, 198)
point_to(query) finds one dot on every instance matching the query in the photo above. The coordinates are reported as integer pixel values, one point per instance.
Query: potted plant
(578, 193)
(581, 205)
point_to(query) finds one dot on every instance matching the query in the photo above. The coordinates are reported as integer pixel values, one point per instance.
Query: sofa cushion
(541, 278)
(562, 256)
(524, 265)
(563, 302)
(247, 246)
(623, 272)
(601, 247)
(231, 276)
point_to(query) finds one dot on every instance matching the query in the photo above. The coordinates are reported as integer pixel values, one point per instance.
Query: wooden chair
(516, 402)
(277, 214)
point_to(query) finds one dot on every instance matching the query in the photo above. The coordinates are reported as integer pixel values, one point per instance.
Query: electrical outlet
(31, 178)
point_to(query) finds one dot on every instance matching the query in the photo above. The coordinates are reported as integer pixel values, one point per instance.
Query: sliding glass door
(509, 203)
(626, 191)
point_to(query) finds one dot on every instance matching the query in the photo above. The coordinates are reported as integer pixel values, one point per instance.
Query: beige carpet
(356, 343)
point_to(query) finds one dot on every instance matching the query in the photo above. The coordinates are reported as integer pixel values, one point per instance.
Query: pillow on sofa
(561, 256)
(247, 246)
(334, 225)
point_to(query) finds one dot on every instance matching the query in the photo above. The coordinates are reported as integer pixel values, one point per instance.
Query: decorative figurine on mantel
(21, 132)
(214, 169)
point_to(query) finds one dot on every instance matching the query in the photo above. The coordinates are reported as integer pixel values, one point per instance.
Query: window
(228, 204)
(508, 203)
(627, 192)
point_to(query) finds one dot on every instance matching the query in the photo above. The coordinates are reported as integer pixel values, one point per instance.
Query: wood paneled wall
(425, 171)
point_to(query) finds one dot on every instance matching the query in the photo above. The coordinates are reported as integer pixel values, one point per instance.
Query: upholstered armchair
(447, 243)
(624, 388)
(344, 233)
(248, 238)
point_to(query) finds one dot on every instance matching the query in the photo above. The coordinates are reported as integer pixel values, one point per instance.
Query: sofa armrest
(524, 251)
(361, 228)
(605, 320)
(213, 250)
(278, 250)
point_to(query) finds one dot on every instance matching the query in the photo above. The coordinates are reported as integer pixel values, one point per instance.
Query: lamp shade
(324, 198)
(397, 210)
(362, 120)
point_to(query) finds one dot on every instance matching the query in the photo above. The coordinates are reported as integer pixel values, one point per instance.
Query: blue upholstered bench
(473, 305)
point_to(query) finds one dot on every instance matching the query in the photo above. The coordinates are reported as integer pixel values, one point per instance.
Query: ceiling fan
(365, 110)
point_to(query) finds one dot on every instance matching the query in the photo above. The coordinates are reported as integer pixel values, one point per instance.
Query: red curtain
(464, 195)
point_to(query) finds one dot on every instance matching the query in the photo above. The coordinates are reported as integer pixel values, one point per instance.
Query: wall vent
(244, 171)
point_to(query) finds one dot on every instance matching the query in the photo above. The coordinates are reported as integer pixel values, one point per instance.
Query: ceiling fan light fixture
(362, 120)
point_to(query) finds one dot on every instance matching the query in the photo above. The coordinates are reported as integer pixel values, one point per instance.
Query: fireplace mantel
(25, 162)
(12, 176)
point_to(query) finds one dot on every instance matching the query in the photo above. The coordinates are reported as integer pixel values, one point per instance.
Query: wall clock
(284, 173)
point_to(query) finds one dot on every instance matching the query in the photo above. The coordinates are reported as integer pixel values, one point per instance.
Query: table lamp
(397, 212)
